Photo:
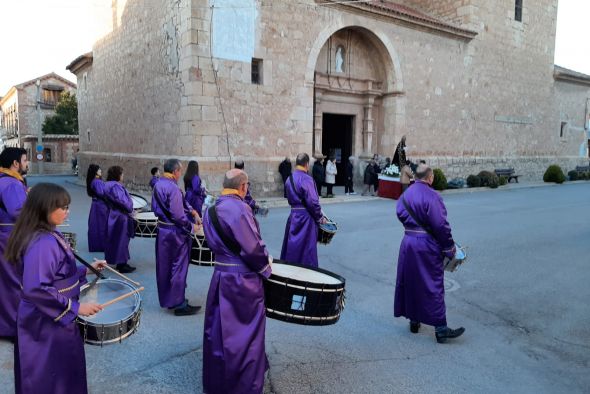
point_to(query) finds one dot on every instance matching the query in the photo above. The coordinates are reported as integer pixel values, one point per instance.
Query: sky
(41, 36)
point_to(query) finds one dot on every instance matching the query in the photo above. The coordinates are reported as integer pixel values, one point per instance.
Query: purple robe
(250, 200)
(301, 231)
(120, 225)
(13, 194)
(173, 242)
(50, 347)
(97, 219)
(153, 181)
(195, 194)
(234, 358)
(419, 287)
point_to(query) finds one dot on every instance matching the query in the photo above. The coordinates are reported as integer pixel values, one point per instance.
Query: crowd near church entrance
(337, 141)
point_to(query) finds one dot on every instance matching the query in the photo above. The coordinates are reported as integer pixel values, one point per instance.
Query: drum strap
(413, 215)
(296, 192)
(231, 244)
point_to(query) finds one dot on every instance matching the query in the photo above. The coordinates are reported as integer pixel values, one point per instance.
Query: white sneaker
(347, 193)
(352, 194)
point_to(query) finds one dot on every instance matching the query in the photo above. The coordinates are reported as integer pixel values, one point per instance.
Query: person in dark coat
(285, 171)
(319, 174)
(377, 171)
(348, 186)
(369, 177)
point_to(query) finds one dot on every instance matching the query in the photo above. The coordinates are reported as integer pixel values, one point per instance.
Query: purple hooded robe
(234, 358)
(50, 347)
(301, 231)
(120, 225)
(97, 219)
(195, 195)
(13, 194)
(173, 242)
(419, 288)
(153, 181)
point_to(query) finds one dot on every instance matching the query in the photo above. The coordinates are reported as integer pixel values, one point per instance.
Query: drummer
(50, 353)
(234, 360)
(419, 288)
(256, 209)
(173, 241)
(301, 231)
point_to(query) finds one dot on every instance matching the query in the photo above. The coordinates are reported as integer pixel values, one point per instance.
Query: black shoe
(125, 268)
(187, 310)
(449, 333)
(414, 327)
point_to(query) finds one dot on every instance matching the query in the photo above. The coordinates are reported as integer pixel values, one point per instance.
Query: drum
(146, 225)
(201, 255)
(459, 258)
(115, 322)
(303, 295)
(326, 232)
(70, 238)
(139, 203)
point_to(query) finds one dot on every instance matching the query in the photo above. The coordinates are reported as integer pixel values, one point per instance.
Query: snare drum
(303, 295)
(459, 258)
(146, 225)
(71, 239)
(115, 322)
(200, 253)
(139, 203)
(326, 232)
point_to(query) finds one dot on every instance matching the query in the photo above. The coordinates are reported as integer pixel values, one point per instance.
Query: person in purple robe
(49, 356)
(173, 242)
(195, 192)
(13, 193)
(256, 209)
(301, 231)
(120, 224)
(155, 171)
(99, 211)
(234, 358)
(419, 287)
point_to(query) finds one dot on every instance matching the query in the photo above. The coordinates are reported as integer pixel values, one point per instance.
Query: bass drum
(201, 255)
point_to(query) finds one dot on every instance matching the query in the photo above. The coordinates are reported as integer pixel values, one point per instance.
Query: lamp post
(40, 131)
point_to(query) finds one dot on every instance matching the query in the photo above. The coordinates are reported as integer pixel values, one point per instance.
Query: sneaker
(352, 193)
(187, 310)
(347, 193)
(125, 268)
(414, 327)
(448, 333)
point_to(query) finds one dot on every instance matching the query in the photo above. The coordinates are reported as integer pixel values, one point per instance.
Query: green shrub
(503, 180)
(585, 175)
(440, 181)
(573, 175)
(489, 179)
(554, 174)
(473, 181)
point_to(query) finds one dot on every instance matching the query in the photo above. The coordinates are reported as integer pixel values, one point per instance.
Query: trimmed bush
(473, 181)
(573, 175)
(554, 174)
(503, 180)
(488, 179)
(440, 180)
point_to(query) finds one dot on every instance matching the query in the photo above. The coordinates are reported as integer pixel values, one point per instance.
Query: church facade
(471, 84)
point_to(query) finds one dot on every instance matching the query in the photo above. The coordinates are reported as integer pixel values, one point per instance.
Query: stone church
(471, 84)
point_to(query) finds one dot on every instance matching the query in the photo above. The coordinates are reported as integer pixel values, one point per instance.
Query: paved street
(523, 297)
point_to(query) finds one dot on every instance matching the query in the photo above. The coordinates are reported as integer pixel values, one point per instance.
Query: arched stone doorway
(356, 103)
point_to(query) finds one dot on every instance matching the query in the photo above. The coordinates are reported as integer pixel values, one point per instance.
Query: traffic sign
(39, 148)
(39, 156)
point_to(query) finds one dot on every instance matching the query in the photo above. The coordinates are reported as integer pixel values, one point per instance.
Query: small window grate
(257, 71)
(518, 10)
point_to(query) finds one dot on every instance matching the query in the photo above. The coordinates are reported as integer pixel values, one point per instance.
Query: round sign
(39, 148)
(39, 156)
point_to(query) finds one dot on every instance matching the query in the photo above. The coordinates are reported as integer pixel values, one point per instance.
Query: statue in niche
(339, 60)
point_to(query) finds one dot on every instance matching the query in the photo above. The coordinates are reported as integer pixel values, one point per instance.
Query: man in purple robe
(13, 193)
(301, 231)
(419, 288)
(173, 242)
(155, 171)
(234, 358)
(256, 209)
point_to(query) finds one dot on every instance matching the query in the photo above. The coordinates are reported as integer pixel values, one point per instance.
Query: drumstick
(122, 276)
(111, 302)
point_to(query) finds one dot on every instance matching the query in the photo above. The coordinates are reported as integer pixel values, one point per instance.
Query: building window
(562, 130)
(257, 71)
(518, 10)
(49, 98)
(47, 155)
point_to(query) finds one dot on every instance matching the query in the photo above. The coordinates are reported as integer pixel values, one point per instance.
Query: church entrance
(337, 141)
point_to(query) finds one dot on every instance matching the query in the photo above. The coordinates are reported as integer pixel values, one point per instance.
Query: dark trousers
(318, 186)
(348, 186)
(329, 186)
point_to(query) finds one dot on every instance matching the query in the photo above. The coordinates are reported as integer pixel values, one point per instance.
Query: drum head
(105, 290)
(301, 274)
(330, 227)
(138, 201)
(146, 216)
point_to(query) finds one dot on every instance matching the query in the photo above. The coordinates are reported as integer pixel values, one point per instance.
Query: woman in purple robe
(234, 358)
(120, 225)
(50, 353)
(99, 211)
(419, 287)
(301, 231)
(195, 192)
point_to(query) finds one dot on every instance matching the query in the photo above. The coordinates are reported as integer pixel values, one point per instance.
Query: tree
(65, 120)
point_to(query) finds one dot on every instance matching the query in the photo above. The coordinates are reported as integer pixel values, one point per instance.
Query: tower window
(518, 10)
(257, 71)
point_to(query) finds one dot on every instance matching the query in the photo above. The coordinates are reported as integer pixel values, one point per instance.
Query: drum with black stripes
(201, 255)
(146, 224)
(139, 203)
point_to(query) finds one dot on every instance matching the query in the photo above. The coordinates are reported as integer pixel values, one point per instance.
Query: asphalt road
(523, 296)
